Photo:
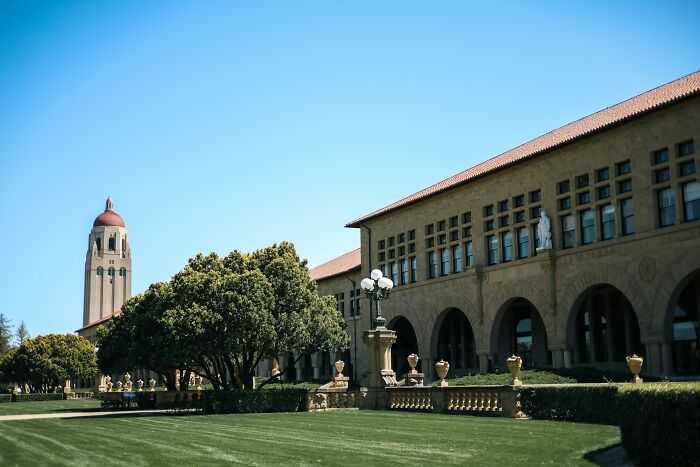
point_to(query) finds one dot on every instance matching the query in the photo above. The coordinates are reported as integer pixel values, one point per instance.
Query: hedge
(575, 403)
(500, 378)
(246, 401)
(39, 396)
(660, 423)
(4, 398)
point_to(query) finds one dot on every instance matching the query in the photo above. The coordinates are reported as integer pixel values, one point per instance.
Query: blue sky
(231, 125)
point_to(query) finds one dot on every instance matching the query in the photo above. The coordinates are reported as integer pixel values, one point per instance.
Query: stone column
(284, 362)
(379, 342)
(567, 358)
(667, 357)
(301, 364)
(557, 357)
(316, 362)
(652, 359)
(483, 362)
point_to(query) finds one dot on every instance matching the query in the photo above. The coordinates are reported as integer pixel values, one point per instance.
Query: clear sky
(232, 125)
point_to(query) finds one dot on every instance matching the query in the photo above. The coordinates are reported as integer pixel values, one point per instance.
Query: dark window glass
(444, 262)
(112, 242)
(402, 238)
(587, 226)
(469, 250)
(607, 222)
(624, 168)
(429, 243)
(404, 272)
(520, 216)
(429, 229)
(394, 273)
(488, 210)
(492, 244)
(488, 225)
(100, 271)
(523, 242)
(627, 210)
(411, 234)
(662, 175)
(568, 231)
(454, 221)
(507, 241)
(535, 212)
(691, 201)
(414, 270)
(564, 204)
(457, 258)
(660, 156)
(467, 232)
(686, 148)
(381, 244)
(687, 168)
(503, 221)
(402, 250)
(391, 254)
(535, 196)
(582, 181)
(391, 241)
(584, 198)
(454, 235)
(432, 265)
(667, 207)
(519, 201)
(503, 206)
(381, 256)
(411, 247)
(563, 187)
(442, 239)
(466, 217)
(602, 174)
(110, 272)
(442, 225)
(624, 186)
(604, 192)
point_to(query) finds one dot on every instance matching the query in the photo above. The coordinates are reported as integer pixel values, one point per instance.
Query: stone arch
(671, 283)
(406, 343)
(504, 333)
(575, 293)
(465, 335)
(503, 298)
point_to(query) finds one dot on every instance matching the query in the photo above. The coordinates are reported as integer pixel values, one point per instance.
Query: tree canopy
(5, 334)
(219, 317)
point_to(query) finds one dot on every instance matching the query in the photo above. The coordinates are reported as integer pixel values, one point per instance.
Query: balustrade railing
(330, 400)
(410, 398)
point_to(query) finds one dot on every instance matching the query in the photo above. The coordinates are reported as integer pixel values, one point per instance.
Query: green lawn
(78, 405)
(330, 438)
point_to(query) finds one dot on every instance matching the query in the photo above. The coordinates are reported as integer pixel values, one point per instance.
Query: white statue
(544, 232)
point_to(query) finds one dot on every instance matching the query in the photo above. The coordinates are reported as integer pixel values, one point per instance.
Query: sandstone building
(621, 192)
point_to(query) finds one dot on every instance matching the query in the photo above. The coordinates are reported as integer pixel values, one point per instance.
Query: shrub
(575, 403)
(246, 401)
(660, 423)
(4, 398)
(587, 374)
(527, 377)
(37, 397)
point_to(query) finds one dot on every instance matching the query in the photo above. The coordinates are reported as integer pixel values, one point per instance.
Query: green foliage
(37, 397)
(527, 377)
(4, 398)
(44, 362)
(21, 333)
(587, 374)
(246, 401)
(660, 423)
(309, 385)
(575, 403)
(5, 334)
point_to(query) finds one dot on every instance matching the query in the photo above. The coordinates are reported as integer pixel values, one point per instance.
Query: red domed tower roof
(109, 218)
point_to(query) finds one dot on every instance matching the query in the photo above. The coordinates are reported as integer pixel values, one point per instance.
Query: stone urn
(635, 363)
(127, 382)
(109, 385)
(119, 386)
(198, 383)
(441, 368)
(339, 367)
(152, 384)
(514, 364)
(412, 362)
(139, 385)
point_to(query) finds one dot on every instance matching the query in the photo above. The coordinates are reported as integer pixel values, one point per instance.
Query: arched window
(112, 242)
(110, 272)
(122, 272)
(98, 242)
(100, 271)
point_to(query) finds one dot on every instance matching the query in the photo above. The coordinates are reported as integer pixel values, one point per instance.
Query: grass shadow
(610, 456)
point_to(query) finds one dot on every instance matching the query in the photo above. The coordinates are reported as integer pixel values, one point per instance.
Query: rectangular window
(507, 242)
(466, 217)
(442, 239)
(666, 200)
(565, 203)
(382, 256)
(568, 231)
(432, 265)
(457, 258)
(391, 254)
(402, 250)
(535, 212)
(391, 241)
(381, 244)
(444, 261)
(662, 175)
(691, 201)
(411, 234)
(414, 270)
(430, 242)
(686, 168)
(382, 267)
(503, 221)
(523, 242)
(429, 229)
(454, 235)
(584, 198)
(503, 206)
(563, 187)
(402, 238)
(624, 168)
(488, 210)
(624, 186)
(442, 225)
(488, 225)
(454, 221)
(607, 222)
(602, 174)
(587, 220)
(660, 156)
(357, 301)
(519, 216)
(519, 201)
(582, 181)
(411, 247)
(395, 273)
(535, 196)
(604, 192)
(469, 250)
(466, 232)
(627, 210)
(404, 272)
(492, 244)
(686, 148)
(352, 304)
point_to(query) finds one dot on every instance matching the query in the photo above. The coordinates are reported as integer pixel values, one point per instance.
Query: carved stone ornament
(339, 366)
(441, 368)
(412, 362)
(635, 364)
(514, 364)
(647, 269)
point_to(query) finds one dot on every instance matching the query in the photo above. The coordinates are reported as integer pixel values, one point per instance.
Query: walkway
(36, 416)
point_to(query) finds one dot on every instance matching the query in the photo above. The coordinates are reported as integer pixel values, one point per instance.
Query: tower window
(110, 272)
(111, 243)
(100, 271)
(98, 242)
(122, 272)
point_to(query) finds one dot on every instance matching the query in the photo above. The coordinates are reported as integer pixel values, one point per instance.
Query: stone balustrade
(333, 400)
(410, 398)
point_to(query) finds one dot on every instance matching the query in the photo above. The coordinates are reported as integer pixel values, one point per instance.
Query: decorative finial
(109, 205)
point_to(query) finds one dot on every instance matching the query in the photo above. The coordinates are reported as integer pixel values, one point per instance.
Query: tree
(5, 334)
(44, 362)
(21, 333)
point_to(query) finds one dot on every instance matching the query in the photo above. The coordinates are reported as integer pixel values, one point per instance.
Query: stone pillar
(652, 360)
(284, 362)
(316, 362)
(483, 362)
(567, 358)
(379, 342)
(301, 364)
(557, 357)
(667, 357)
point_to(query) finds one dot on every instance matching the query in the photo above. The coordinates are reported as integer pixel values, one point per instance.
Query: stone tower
(107, 267)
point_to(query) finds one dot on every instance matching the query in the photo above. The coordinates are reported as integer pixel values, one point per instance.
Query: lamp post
(377, 288)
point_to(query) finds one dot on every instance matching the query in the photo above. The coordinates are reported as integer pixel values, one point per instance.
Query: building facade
(621, 195)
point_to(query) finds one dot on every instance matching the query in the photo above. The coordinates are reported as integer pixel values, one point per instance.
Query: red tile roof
(345, 263)
(98, 322)
(649, 101)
